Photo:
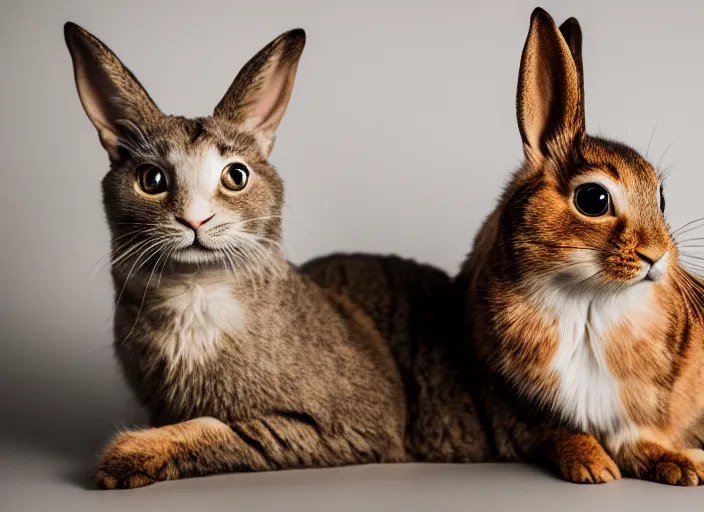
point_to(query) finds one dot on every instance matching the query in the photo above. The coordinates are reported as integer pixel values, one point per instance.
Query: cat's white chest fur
(588, 396)
(201, 314)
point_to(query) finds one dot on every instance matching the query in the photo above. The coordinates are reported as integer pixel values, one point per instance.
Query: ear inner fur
(109, 92)
(260, 93)
(548, 99)
(572, 32)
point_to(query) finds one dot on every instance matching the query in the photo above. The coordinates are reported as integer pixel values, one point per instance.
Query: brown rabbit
(515, 391)
(243, 363)
(577, 305)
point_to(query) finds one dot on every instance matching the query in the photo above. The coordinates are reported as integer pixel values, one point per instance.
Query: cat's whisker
(255, 257)
(118, 259)
(166, 261)
(264, 256)
(135, 248)
(252, 219)
(149, 251)
(157, 224)
(162, 253)
(136, 232)
(113, 252)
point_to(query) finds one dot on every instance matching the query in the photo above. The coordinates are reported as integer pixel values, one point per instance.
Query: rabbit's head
(584, 212)
(190, 191)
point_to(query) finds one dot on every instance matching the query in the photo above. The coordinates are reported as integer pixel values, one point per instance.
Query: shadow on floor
(67, 411)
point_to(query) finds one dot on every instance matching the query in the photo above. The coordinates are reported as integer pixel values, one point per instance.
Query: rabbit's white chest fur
(201, 314)
(588, 395)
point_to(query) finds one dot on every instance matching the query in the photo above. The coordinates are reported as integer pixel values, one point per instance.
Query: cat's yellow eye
(151, 180)
(235, 176)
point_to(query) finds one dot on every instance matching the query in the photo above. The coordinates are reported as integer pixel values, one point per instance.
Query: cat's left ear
(259, 95)
(112, 97)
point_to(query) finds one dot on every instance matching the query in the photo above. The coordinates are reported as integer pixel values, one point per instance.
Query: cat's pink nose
(193, 224)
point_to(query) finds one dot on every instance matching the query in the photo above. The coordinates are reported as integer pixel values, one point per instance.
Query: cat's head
(191, 191)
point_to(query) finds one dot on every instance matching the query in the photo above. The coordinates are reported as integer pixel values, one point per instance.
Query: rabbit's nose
(658, 261)
(650, 254)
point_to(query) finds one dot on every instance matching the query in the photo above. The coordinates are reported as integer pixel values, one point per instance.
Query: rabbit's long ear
(572, 33)
(111, 95)
(549, 101)
(259, 95)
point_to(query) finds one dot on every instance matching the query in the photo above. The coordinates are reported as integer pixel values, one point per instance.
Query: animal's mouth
(196, 254)
(197, 244)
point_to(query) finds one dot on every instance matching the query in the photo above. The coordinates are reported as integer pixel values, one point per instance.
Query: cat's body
(208, 344)
(456, 411)
(413, 307)
(243, 363)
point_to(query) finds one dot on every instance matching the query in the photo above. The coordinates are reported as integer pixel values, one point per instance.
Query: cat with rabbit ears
(243, 363)
(576, 303)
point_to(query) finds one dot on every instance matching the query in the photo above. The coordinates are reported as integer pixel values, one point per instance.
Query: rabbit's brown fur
(591, 323)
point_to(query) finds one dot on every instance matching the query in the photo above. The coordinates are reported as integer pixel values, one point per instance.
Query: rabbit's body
(603, 362)
(576, 303)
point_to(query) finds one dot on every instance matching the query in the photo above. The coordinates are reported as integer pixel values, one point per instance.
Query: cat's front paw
(679, 468)
(132, 460)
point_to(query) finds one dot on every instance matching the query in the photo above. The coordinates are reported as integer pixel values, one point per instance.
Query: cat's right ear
(259, 95)
(111, 96)
(549, 101)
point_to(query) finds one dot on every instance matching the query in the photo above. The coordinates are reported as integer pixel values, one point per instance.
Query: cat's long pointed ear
(259, 95)
(549, 102)
(111, 96)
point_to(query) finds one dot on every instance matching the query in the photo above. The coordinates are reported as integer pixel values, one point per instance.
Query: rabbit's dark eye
(151, 180)
(662, 199)
(235, 176)
(592, 200)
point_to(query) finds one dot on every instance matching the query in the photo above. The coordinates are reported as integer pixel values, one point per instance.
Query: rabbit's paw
(582, 460)
(685, 468)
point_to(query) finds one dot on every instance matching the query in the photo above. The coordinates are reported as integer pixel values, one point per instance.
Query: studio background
(399, 136)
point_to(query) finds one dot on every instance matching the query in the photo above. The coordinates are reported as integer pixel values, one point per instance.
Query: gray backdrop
(399, 135)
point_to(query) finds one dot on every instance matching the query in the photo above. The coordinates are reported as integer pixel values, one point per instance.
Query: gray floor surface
(35, 479)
